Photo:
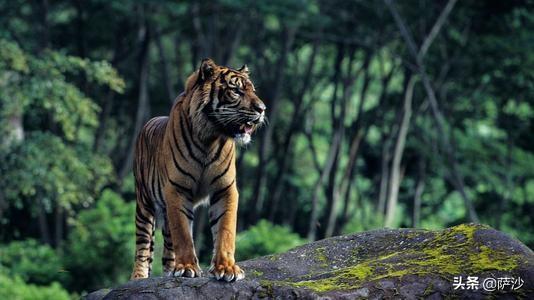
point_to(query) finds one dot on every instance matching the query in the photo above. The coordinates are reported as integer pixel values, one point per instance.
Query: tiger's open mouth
(246, 128)
(244, 132)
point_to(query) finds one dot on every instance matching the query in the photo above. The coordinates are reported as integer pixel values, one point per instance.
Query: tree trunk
(44, 36)
(143, 96)
(256, 204)
(80, 29)
(228, 55)
(313, 224)
(509, 183)
(348, 178)
(333, 194)
(419, 189)
(201, 41)
(455, 177)
(165, 68)
(338, 128)
(384, 175)
(394, 178)
(296, 119)
(43, 224)
(58, 226)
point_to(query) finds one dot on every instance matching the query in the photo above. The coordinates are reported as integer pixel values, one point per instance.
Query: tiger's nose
(259, 107)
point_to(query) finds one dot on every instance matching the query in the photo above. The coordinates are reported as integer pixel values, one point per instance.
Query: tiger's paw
(139, 273)
(228, 272)
(168, 270)
(187, 270)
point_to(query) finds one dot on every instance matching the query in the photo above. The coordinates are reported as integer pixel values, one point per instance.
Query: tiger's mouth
(244, 132)
(247, 128)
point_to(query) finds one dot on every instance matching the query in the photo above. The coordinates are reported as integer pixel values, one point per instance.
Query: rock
(386, 263)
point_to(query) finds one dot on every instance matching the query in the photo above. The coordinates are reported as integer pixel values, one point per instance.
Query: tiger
(188, 158)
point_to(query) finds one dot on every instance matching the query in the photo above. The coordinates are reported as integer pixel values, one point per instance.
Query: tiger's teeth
(249, 123)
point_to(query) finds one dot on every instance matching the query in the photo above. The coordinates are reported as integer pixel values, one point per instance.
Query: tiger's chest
(197, 174)
(212, 177)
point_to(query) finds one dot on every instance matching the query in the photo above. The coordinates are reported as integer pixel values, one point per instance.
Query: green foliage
(14, 288)
(100, 247)
(31, 262)
(265, 238)
(45, 83)
(67, 175)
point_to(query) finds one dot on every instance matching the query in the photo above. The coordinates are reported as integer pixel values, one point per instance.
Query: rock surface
(379, 264)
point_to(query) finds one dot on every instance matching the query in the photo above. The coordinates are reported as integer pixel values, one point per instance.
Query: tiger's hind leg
(167, 259)
(144, 238)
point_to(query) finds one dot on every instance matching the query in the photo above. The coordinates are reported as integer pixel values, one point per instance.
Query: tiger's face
(232, 105)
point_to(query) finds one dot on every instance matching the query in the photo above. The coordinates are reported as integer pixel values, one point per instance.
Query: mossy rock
(386, 263)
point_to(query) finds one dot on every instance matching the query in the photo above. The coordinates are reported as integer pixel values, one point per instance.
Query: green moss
(256, 273)
(489, 259)
(273, 257)
(320, 257)
(268, 286)
(428, 290)
(450, 252)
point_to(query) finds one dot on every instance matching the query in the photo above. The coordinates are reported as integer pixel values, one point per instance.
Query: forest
(412, 113)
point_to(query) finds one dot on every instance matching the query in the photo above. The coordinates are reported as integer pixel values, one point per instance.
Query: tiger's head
(227, 100)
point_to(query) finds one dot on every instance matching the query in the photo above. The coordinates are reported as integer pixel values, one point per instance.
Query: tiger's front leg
(180, 218)
(223, 221)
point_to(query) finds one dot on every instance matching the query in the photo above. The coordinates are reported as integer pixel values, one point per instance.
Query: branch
(457, 180)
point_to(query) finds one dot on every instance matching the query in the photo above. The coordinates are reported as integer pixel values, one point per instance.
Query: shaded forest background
(381, 113)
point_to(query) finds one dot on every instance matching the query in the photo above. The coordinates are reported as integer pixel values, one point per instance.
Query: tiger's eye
(233, 94)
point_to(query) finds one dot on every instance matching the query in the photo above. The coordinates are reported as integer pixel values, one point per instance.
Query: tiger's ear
(244, 69)
(207, 69)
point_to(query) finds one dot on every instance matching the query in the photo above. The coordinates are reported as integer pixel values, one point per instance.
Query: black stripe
(225, 170)
(217, 195)
(190, 131)
(236, 104)
(166, 233)
(180, 150)
(188, 142)
(148, 205)
(167, 244)
(144, 193)
(188, 210)
(165, 260)
(181, 187)
(140, 228)
(222, 98)
(187, 215)
(223, 77)
(212, 91)
(222, 143)
(153, 183)
(160, 193)
(140, 214)
(214, 222)
(150, 126)
(178, 166)
(140, 241)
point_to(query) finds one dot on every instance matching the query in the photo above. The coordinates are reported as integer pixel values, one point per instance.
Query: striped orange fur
(188, 158)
